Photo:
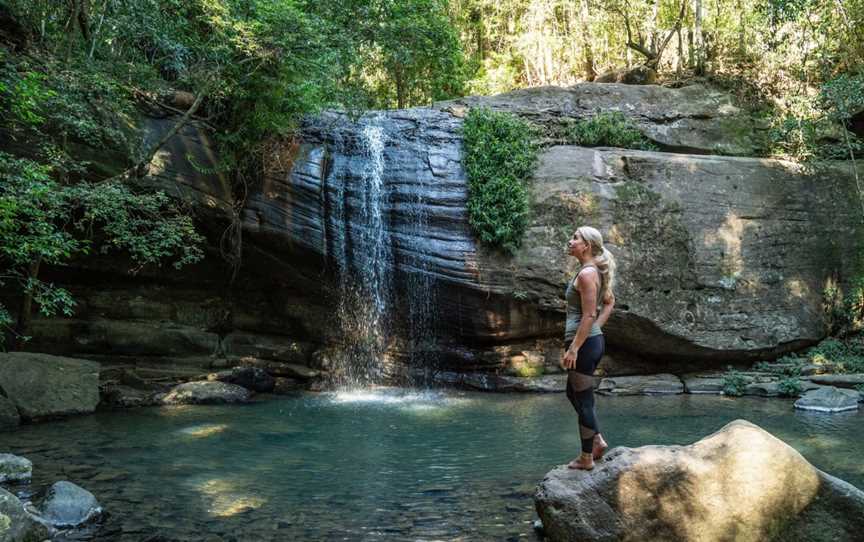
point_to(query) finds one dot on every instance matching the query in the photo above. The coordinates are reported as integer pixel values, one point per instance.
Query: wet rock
(15, 469)
(829, 399)
(120, 396)
(209, 393)
(44, 386)
(739, 480)
(68, 505)
(660, 384)
(9, 418)
(252, 378)
(839, 381)
(16, 525)
(277, 368)
(703, 383)
(283, 386)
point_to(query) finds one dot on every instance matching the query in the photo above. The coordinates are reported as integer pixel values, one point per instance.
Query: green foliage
(845, 356)
(499, 155)
(734, 383)
(787, 366)
(607, 129)
(790, 386)
(419, 50)
(845, 314)
(43, 221)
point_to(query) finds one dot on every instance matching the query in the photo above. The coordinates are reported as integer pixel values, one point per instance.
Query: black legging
(580, 388)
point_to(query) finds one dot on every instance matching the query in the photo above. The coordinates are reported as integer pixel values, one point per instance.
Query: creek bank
(739, 480)
(756, 383)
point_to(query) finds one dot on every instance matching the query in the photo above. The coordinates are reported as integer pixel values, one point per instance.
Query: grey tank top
(574, 311)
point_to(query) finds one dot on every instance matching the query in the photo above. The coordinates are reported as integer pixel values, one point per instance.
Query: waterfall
(364, 262)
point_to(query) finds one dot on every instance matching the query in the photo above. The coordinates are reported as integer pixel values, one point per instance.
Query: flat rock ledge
(739, 483)
(829, 399)
(660, 384)
(205, 393)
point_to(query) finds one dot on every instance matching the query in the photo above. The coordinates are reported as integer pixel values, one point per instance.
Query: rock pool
(387, 464)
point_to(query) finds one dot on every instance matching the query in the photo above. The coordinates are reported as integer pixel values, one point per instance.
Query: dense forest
(73, 73)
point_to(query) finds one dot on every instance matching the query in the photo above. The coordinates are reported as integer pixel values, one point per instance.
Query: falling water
(364, 264)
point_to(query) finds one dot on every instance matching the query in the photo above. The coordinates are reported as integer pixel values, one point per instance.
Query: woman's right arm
(606, 312)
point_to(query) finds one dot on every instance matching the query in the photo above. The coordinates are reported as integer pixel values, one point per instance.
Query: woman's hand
(569, 361)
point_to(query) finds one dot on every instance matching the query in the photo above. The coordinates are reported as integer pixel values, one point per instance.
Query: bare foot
(599, 447)
(583, 462)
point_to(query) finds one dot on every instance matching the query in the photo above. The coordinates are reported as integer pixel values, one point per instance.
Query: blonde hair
(602, 258)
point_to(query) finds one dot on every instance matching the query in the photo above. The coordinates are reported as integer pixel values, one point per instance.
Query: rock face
(68, 505)
(692, 119)
(740, 482)
(251, 378)
(15, 524)
(707, 274)
(43, 386)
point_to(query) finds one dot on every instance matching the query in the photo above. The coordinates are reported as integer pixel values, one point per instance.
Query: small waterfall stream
(369, 260)
(364, 262)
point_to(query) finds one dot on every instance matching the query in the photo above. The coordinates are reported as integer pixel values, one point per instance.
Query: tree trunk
(698, 41)
(588, 54)
(25, 312)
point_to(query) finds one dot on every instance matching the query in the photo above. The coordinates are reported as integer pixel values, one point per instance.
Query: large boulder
(43, 386)
(740, 483)
(16, 525)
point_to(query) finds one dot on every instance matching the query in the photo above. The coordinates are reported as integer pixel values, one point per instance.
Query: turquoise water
(384, 465)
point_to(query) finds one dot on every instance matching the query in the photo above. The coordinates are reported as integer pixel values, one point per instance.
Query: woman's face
(576, 245)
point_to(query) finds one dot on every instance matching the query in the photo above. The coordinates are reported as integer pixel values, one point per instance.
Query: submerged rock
(15, 469)
(68, 505)
(16, 525)
(829, 399)
(739, 483)
(200, 393)
(44, 386)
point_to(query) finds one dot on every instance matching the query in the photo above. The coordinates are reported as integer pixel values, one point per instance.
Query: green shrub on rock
(734, 383)
(608, 129)
(844, 356)
(790, 386)
(500, 152)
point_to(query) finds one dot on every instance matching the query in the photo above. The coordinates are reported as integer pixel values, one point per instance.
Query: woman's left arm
(608, 305)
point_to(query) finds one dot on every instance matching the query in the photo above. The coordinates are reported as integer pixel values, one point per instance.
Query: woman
(583, 336)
